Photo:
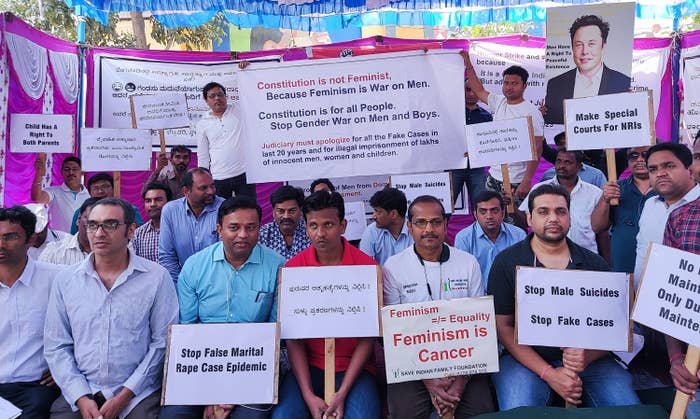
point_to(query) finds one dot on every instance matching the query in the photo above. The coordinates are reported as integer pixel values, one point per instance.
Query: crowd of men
(87, 339)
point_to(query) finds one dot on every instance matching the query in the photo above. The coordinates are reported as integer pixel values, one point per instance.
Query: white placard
(9, 410)
(570, 308)
(33, 133)
(329, 302)
(356, 188)
(115, 150)
(222, 363)
(439, 339)
(668, 298)
(357, 222)
(500, 142)
(438, 185)
(610, 121)
(367, 115)
(161, 111)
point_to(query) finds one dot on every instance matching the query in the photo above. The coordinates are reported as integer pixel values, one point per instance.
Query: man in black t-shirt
(529, 374)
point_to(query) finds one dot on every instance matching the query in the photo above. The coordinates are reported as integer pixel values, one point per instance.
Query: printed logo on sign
(117, 86)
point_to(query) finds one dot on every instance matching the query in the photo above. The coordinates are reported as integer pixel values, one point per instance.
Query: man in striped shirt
(155, 195)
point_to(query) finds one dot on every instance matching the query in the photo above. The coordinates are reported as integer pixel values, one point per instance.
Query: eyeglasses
(109, 225)
(100, 187)
(423, 223)
(635, 155)
(10, 237)
(282, 211)
(215, 95)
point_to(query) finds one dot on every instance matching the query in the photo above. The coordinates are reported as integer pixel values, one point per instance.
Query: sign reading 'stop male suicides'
(668, 298)
(354, 116)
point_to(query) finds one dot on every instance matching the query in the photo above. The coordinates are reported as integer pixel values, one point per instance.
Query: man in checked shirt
(155, 195)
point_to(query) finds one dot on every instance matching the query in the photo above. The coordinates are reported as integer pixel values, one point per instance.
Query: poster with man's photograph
(589, 53)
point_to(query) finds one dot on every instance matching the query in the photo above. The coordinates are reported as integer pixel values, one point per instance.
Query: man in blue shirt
(489, 235)
(388, 234)
(188, 225)
(588, 173)
(474, 178)
(232, 281)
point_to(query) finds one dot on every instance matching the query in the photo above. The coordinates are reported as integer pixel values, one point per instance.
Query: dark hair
(679, 150)
(319, 181)
(578, 154)
(487, 196)
(287, 193)
(71, 159)
(87, 204)
(235, 203)
(516, 70)
(128, 210)
(426, 199)
(547, 189)
(180, 149)
(99, 177)
(22, 216)
(211, 85)
(590, 20)
(560, 138)
(188, 177)
(389, 199)
(158, 186)
(321, 200)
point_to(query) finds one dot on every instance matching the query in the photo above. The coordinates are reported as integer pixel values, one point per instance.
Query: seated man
(301, 393)
(25, 380)
(72, 249)
(529, 375)
(204, 286)
(286, 234)
(388, 234)
(44, 234)
(101, 185)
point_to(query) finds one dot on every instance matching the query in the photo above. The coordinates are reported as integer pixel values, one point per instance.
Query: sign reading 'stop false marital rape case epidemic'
(668, 298)
(329, 301)
(441, 338)
(571, 308)
(222, 363)
(354, 116)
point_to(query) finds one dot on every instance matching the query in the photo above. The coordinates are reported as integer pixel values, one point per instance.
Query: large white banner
(378, 114)
(118, 77)
(691, 93)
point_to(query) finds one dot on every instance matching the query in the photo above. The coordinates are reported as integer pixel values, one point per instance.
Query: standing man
(155, 195)
(589, 36)
(683, 232)
(237, 266)
(529, 374)
(25, 284)
(286, 234)
(72, 249)
(623, 219)
(63, 199)
(489, 235)
(220, 146)
(474, 178)
(672, 180)
(171, 172)
(447, 273)
(301, 393)
(584, 198)
(387, 235)
(107, 323)
(511, 104)
(188, 225)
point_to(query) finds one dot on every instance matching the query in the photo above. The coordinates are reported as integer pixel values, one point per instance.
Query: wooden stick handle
(448, 415)
(612, 171)
(161, 136)
(329, 372)
(680, 403)
(506, 188)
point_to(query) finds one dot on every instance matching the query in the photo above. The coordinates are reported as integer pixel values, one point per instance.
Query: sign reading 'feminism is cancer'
(356, 116)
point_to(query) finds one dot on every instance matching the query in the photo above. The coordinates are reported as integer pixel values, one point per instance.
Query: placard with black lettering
(438, 185)
(571, 308)
(38, 133)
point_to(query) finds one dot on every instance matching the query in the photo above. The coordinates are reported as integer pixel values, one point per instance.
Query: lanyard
(444, 257)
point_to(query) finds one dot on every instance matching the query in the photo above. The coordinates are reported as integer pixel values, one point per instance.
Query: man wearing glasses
(623, 219)
(287, 233)
(431, 270)
(220, 146)
(107, 322)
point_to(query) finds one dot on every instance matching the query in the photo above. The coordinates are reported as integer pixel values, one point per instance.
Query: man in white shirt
(72, 249)
(671, 178)
(25, 284)
(431, 270)
(220, 146)
(107, 323)
(63, 199)
(510, 105)
(584, 198)
(43, 234)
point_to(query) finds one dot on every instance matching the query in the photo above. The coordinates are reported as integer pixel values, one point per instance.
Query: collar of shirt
(26, 277)
(555, 181)
(404, 231)
(73, 242)
(65, 188)
(590, 81)
(691, 195)
(254, 257)
(480, 231)
(135, 264)
(209, 208)
(576, 257)
(149, 226)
